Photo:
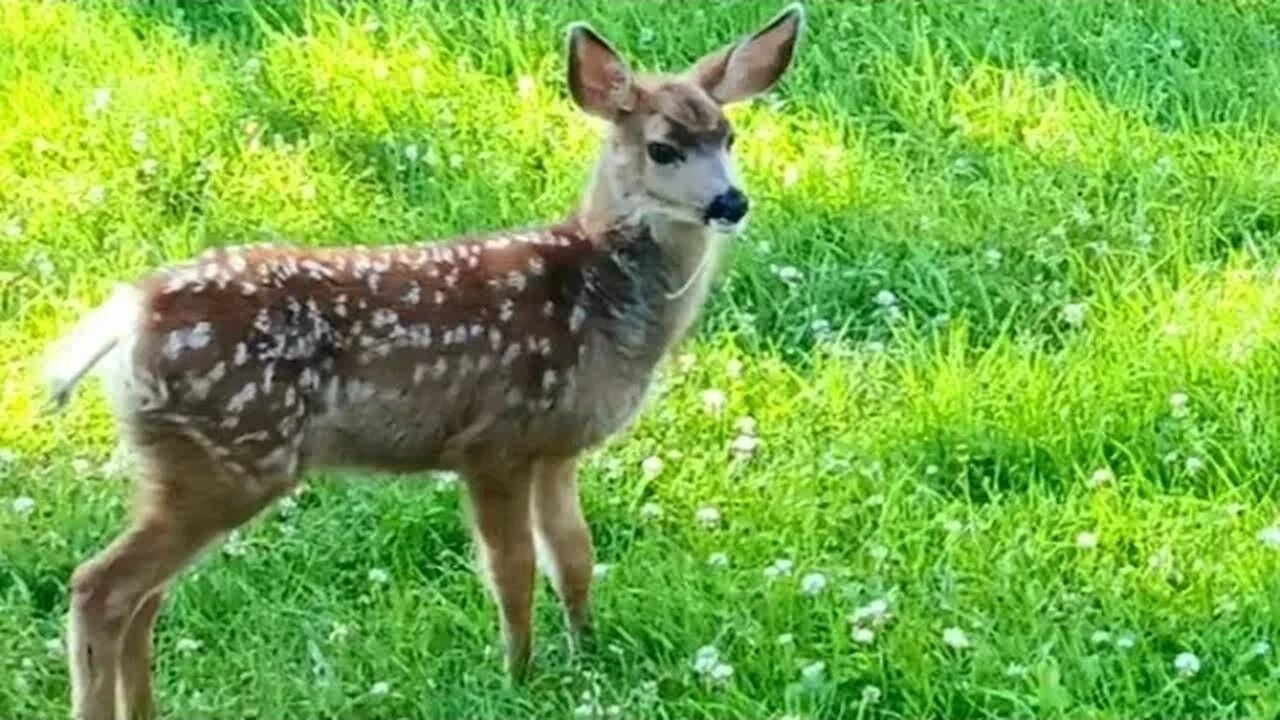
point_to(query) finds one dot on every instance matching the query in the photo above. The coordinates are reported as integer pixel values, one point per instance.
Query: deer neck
(690, 252)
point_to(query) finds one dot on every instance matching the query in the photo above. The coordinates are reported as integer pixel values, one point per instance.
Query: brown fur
(502, 357)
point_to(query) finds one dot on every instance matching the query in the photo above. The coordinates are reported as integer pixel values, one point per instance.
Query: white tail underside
(74, 355)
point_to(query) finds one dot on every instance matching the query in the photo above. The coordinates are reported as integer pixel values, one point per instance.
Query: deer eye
(728, 141)
(662, 153)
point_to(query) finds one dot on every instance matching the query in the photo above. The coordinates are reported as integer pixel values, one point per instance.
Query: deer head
(670, 147)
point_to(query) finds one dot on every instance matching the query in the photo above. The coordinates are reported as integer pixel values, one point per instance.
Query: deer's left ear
(754, 64)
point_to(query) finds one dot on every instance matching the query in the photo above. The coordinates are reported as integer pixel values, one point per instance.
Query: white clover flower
(138, 141)
(813, 583)
(705, 659)
(820, 327)
(1073, 314)
(713, 400)
(378, 576)
(878, 553)
(96, 195)
(1268, 536)
(54, 646)
(708, 516)
(1100, 637)
(651, 467)
(1261, 648)
(789, 275)
(23, 505)
(1101, 476)
(100, 101)
(745, 445)
(149, 166)
(1178, 405)
(790, 176)
(718, 560)
(721, 673)
(780, 567)
(874, 613)
(525, 86)
(187, 645)
(650, 511)
(886, 299)
(308, 192)
(786, 639)
(953, 526)
(380, 688)
(955, 638)
(1187, 664)
(733, 369)
(599, 570)
(411, 152)
(1087, 540)
(813, 672)
(871, 695)
(746, 425)
(863, 635)
(994, 256)
(1126, 641)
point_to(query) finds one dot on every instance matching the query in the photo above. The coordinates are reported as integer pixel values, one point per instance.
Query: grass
(1010, 288)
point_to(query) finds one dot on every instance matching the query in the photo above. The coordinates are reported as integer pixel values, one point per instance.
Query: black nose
(729, 206)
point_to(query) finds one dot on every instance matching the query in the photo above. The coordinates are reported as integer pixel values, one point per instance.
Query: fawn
(501, 357)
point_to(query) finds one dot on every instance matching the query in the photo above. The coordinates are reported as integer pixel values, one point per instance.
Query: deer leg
(500, 508)
(134, 690)
(185, 501)
(565, 540)
(106, 593)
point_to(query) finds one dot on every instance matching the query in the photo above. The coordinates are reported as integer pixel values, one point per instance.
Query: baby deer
(501, 357)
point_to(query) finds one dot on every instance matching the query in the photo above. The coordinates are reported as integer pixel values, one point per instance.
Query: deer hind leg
(134, 696)
(106, 593)
(564, 540)
(187, 500)
(500, 512)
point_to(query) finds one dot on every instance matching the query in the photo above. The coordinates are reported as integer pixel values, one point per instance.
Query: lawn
(983, 419)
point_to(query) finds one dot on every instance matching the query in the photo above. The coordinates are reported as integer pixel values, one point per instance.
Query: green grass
(938, 186)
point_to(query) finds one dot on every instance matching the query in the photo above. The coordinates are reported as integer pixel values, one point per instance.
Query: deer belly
(403, 433)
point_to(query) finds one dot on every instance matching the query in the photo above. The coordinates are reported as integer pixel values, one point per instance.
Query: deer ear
(752, 65)
(599, 80)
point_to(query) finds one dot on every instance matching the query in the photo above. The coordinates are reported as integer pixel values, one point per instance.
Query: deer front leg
(565, 540)
(504, 538)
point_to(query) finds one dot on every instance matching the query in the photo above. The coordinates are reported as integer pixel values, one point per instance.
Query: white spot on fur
(576, 317)
(506, 309)
(383, 317)
(413, 296)
(536, 265)
(516, 280)
(237, 402)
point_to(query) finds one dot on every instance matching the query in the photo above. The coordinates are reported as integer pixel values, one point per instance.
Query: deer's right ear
(599, 80)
